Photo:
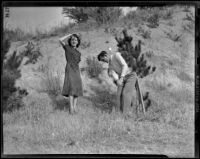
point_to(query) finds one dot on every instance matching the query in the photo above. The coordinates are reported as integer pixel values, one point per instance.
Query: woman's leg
(71, 100)
(75, 103)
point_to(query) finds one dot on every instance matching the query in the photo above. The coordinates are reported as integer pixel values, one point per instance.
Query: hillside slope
(168, 127)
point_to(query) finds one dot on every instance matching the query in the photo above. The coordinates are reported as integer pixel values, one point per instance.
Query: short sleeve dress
(72, 82)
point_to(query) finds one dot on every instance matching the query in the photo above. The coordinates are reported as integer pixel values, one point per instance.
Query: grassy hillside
(44, 125)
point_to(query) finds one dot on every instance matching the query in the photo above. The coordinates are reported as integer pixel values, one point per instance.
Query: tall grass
(51, 81)
(94, 68)
(17, 34)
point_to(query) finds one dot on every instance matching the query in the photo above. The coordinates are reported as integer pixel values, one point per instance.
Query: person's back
(117, 62)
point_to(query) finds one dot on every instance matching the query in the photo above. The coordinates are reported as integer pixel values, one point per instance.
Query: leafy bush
(189, 27)
(17, 34)
(190, 17)
(51, 81)
(102, 15)
(32, 53)
(146, 34)
(85, 44)
(79, 14)
(173, 36)
(94, 67)
(167, 14)
(11, 95)
(153, 20)
(104, 100)
(186, 8)
(133, 55)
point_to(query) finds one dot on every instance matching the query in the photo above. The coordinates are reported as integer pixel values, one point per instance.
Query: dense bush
(146, 34)
(102, 15)
(94, 67)
(173, 36)
(133, 55)
(51, 82)
(11, 95)
(32, 52)
(153, 20)
(79, 14)
(16, 34)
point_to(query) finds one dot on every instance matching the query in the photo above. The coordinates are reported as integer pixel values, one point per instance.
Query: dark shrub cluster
(11, 96)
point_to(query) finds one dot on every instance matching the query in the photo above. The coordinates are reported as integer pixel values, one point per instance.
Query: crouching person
(124, 77)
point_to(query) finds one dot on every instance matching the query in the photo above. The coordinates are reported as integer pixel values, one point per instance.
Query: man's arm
(123, 63)
(113, 75)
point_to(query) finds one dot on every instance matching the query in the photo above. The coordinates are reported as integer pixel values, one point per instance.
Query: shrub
(186, 8)
(94, 67)
(173, 36)
(153, 20)
(11, 95)
(167, 14)
(79, 14)
(51, 81)
(17, 34)
(146, 34)
(32, 53)
(189, 27)
(102, 15)
(85, 44)
(131, 54)
(104, 100)
(190, 17)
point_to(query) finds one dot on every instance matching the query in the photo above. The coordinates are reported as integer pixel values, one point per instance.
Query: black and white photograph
(98, 80)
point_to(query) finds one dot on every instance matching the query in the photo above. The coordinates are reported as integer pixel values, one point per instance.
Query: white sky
(43, 18)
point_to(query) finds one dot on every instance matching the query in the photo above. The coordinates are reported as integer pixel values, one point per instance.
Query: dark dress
(72, 82)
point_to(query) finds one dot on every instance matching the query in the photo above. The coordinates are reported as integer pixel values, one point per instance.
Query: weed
(146, 34)
(173, 36)
(85, 44)
(153, 20)
(94, 68)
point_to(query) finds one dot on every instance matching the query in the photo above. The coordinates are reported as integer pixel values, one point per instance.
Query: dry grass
(167, 128)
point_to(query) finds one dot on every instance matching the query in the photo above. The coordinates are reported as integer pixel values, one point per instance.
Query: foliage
(168, 13)
(80, 14)
(51, 81)
(153, 20)
(104, 100)
(12, 96)
(190, 17)
(32, 53)
(16, 34)
(94, 67)
(146, 34)
(102, 15)
(173, 36)
(85, 44)
(131, 53)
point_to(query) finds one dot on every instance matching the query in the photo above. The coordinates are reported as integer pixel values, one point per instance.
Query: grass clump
(94, 68)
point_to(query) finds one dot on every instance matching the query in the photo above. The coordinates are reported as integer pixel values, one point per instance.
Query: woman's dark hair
(101, 54)
(69, 40)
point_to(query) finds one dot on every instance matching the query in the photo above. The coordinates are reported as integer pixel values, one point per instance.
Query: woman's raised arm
(63, 38)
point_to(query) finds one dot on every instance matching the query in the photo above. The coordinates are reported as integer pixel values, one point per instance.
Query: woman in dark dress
(72, 87)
